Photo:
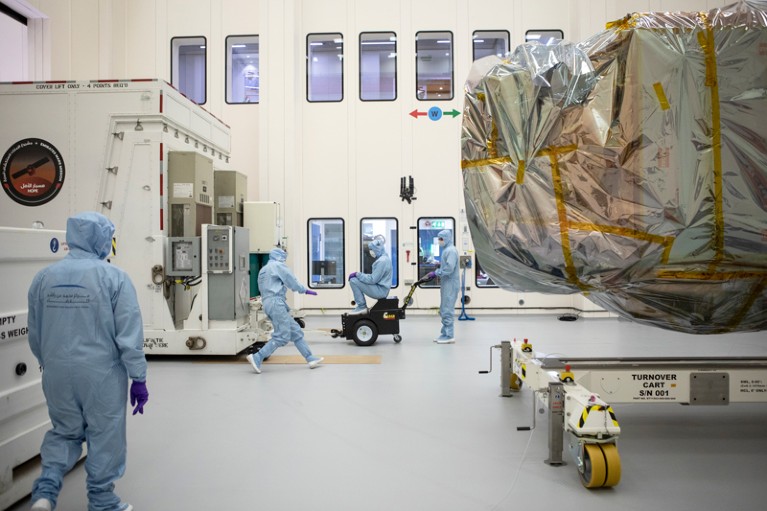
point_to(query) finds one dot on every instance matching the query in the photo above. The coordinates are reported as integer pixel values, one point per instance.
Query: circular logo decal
(32, 172)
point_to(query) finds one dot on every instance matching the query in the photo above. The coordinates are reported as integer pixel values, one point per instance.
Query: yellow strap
(756, 292)
(492, 144)
(624, 23)
(661, 96)
(564, 236)
(706, 41)
(666, 241)
(467, 164)
(521, 172)
(711, 275)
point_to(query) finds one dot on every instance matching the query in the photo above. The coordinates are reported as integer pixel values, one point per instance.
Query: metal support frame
(506, 390)
(556, 423)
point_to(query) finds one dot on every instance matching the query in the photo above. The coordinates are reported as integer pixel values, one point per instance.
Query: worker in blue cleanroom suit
(375, 284)
(274, 280)
(449, 285)
(86, 331)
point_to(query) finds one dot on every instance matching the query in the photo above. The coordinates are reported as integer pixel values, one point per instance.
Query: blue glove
(352, 275)
(139, 395)
(430, 275)
(310, 292)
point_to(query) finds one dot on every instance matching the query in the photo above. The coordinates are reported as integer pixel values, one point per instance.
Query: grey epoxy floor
(424, 431)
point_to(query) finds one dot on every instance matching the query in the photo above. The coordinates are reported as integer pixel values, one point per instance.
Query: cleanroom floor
(423, 430)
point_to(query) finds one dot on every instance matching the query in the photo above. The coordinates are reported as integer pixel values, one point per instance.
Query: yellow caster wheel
(515, 383)
(601, 466)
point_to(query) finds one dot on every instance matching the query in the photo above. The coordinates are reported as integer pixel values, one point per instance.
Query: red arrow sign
(415, 113)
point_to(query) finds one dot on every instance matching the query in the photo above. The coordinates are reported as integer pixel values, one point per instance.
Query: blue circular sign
(54, 245)
(435, 113)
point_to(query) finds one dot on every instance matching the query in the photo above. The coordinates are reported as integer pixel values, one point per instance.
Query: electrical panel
(190, 193)
(227, 265)
(182, 257)
(231, 189)
(262, 219)
(219, 253)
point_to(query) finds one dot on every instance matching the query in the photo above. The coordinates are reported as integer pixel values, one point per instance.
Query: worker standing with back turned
(85, 330)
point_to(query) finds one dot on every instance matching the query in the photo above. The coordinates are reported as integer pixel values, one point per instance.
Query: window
(482, 279)
(326, 252)
(187, 67)
(489, 42)
(544, 36)
(434, 65)
(242, 69)
(324, 67)
(428, 245)
(386, 230)
(378, 66)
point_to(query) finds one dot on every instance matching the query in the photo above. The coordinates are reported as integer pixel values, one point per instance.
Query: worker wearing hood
(375, 284)
(274, 280)
(449, 285)
(85, 330)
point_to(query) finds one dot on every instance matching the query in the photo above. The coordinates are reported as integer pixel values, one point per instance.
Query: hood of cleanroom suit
(90, 233)
(275, 278)
(377, 283)
(447, 236)
(630, 167)
(377, 246)
(279, 255)
(85, 330)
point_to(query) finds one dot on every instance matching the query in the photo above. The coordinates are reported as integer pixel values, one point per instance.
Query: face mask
(441, 243)
(372, 254)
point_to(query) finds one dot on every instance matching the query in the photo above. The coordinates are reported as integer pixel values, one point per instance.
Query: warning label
(13, 326)
(753, 386)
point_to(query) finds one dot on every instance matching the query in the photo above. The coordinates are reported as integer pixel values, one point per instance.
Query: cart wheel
(365, 333)
(601, 466)
(300, 322)
(397, 338)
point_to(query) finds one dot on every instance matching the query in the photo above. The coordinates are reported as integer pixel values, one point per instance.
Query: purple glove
(310, 292)
(430, 275)
(139, 395)
(352, 275)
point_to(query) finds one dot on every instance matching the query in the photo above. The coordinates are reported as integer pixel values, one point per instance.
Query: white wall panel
(61, 29)
(588, 23)
(85, 40)
(13, 50)
(551, 14)
(147, 45)
(489, 15)
(243, 119)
